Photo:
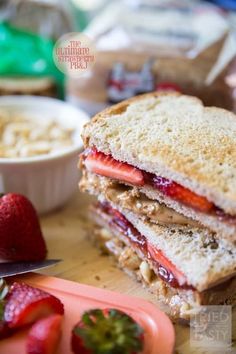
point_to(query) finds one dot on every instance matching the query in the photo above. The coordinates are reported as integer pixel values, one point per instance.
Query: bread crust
(174, 136)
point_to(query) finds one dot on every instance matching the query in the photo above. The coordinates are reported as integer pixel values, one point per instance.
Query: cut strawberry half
(161, 259)
(25, 305)
(44, 336)
(101, 164)
(182, 194)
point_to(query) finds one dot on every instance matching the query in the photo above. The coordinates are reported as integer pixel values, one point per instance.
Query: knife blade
(13, 268)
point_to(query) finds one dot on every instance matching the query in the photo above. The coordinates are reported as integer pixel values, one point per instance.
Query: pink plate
(159, 331)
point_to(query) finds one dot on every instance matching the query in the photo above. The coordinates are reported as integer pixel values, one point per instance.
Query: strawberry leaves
(109, 332)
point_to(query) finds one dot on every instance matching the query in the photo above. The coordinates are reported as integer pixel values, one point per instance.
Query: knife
(13, 268)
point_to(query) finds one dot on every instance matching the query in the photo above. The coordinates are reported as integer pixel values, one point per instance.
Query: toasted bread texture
(173, 136)
(204, 260)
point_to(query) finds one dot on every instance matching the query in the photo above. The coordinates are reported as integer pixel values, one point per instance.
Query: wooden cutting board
(66, 232)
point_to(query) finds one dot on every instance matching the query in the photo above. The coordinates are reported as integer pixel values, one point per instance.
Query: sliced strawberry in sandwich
(105, 165)
(161, 259)
(182, 194)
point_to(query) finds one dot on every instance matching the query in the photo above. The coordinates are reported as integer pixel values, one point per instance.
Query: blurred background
(141, 46)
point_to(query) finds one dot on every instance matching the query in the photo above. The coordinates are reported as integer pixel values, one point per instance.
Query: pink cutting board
(159, 331)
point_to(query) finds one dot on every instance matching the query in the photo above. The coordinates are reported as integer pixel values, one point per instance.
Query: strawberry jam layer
(105, 165)
(159, 261)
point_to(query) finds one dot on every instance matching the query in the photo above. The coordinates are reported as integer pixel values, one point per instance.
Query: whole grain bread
(174, 136)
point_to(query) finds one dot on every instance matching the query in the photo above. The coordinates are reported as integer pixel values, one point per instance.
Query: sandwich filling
(105, 165)
(162, 266)
(117, 236)
(180, 240)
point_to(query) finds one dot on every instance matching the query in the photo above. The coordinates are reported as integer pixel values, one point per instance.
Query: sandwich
(174, 150)
(162, 167)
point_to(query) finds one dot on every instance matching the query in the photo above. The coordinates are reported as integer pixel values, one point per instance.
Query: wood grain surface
(67, 235)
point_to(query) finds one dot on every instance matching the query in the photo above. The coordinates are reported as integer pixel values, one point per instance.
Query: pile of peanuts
(22, 136)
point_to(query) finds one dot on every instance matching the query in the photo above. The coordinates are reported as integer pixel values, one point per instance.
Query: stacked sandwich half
(163, 168)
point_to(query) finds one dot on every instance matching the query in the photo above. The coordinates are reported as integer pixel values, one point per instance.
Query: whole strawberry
(21, 237)
(108, 331)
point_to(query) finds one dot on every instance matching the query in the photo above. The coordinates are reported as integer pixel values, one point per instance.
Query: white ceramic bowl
(47, 180)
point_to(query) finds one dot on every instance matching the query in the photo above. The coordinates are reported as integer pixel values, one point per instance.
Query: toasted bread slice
(173, 136)
(199, 153)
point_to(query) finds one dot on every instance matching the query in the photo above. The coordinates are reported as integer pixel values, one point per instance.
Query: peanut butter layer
(131, 199)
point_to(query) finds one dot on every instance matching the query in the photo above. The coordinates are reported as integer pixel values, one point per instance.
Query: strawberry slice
(106, 331)
(25, 305)
(44, 336)
(105, 165)
(161, 259)
(182, 194)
